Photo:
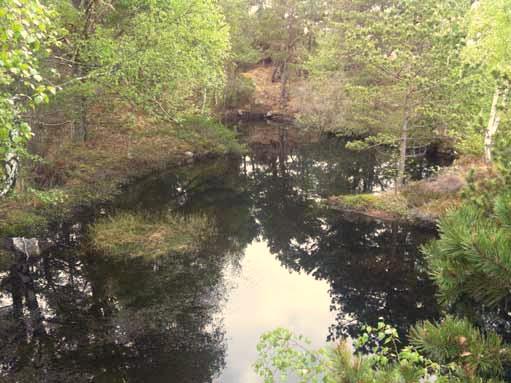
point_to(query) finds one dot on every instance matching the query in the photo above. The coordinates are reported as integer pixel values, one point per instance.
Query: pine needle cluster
(472, 258)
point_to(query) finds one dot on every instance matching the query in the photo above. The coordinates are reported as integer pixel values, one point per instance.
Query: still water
(278, 259)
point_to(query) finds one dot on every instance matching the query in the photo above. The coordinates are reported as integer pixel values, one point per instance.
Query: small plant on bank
(450, 351)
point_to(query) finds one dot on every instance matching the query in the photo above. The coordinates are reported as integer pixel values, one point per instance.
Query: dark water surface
(278, 259)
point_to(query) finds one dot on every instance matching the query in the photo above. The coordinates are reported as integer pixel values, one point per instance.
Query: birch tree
(489, 46)
(26, 33)
(162, 56)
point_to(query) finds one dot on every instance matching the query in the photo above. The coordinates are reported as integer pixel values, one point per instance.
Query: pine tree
(472, 258)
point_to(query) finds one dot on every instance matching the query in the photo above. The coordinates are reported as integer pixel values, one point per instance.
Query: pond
(278, 258)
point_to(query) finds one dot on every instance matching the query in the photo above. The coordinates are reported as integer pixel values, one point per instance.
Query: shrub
(238, 92)
(457, 343)
(447, 352)
(210, 134)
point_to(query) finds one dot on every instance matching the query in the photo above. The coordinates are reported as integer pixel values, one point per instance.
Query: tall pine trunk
(284, 91)
(401, 174)
(89, 9)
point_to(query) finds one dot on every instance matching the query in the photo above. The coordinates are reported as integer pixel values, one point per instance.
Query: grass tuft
(136, 235)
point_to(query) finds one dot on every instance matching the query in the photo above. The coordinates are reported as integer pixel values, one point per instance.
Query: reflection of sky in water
(156, 322)
(266, 296)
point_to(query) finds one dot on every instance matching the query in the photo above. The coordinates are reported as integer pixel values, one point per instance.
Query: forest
(152, 151)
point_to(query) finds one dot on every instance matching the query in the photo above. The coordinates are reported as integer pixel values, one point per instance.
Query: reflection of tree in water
(123, 320)
(134, 320)
(374, 269)
(154, 320)
(322, 168)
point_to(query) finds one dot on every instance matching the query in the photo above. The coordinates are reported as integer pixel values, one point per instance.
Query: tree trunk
(275, 76)
(89, 9)
(494, 121)
(204, 100)
(11, 168)
(493, 124)
(284, 92)
(401, 175)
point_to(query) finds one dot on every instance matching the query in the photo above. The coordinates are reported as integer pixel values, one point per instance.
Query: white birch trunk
(11, 168)
(493, 124)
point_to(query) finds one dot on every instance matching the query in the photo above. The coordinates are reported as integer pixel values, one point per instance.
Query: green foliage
(209, 134)
(239, 91)
(281, 353)
(450, 351)
(381, 341)
(26, 34)
(20, 223)
(392, 88)
(160, 56)
(488, 22)
(26, 31)
(472, 256)
(52, 197)
(243, 31)
(460, 346)
(138, 236)
(377, 48)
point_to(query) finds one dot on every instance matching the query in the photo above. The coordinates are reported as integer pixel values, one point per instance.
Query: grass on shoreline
(418, 202)
(93, 172)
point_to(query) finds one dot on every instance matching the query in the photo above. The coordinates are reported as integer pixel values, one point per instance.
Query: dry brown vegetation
(267, 93)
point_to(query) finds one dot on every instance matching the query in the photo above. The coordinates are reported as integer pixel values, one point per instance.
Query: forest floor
(73, 174)
(420, 202)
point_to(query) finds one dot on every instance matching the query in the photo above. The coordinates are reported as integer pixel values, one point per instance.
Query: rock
(448, 183)
(189, 154)
(30, 247)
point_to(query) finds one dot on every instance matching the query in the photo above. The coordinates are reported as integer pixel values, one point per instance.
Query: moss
(390, 203)
(23, 223)
(136, 235)
(29, 213)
